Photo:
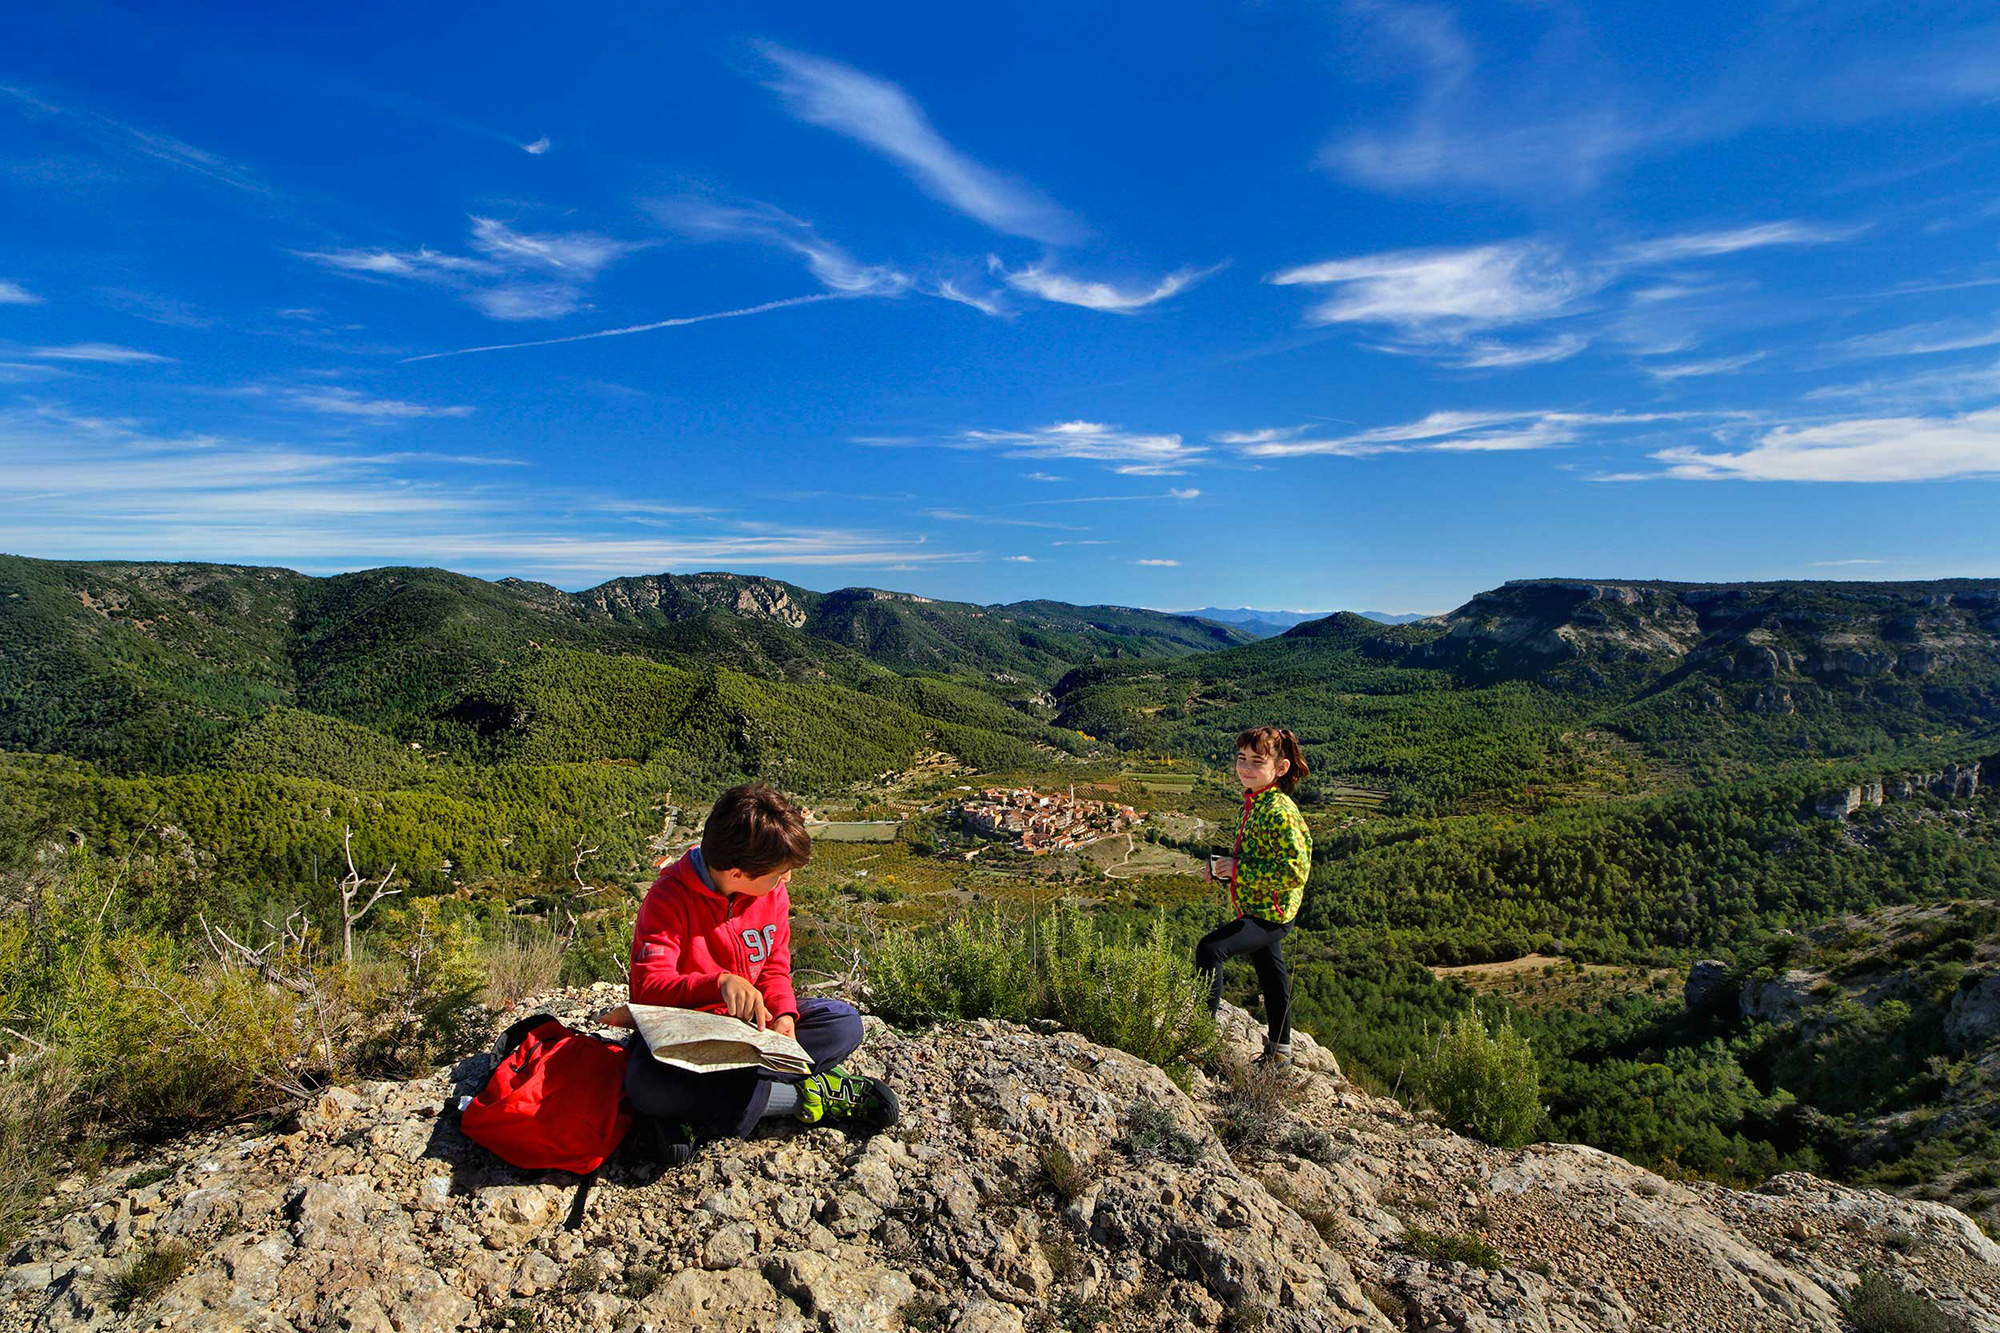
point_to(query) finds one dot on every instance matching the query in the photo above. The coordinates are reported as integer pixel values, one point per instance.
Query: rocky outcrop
(1779, 999)
(1972, 1020)
(1954, 782)
(1038, 1181)
(678, 597)
(1840, 803)
(1706, 982)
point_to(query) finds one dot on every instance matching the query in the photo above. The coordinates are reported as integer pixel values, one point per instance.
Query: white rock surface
(374, 1213)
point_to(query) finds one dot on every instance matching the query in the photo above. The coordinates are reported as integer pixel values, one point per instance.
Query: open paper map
(710, 1043)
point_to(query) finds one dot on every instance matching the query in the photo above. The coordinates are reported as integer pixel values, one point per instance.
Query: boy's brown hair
(754, 829)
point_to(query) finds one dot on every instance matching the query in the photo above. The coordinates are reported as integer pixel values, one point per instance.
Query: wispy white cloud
(834, 267)
(1709, 244)
(1043, 281)
(1042, 476)
(523, 301)
(104, 353)
(947, 289)
(1444, 293)
(156, 308)
(1171, 493)
(1548, 111)
(514, 276)
(960, 516)
(581, 255)
(538, 147)
(1919, 340)
(13, 293)
(1467, 128)
(881, 116)
(22, 372)
(1485, 354)
(1834, 564)
(424, 264)
(338, 401)
(1442, 432)
(76, 487)
(119, 137)
(1166, 563)
(1022, 559)
(1868, 449)
(1448, 303)
(1721, 365)
(1132, 453)
(1943, 388)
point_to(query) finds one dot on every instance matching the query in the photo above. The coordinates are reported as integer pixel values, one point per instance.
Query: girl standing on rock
(1266, 878)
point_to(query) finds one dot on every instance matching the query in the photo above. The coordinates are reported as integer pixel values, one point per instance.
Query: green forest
(1619, 780)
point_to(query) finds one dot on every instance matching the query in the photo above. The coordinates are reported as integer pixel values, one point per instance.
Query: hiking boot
(660, 1145)
(1275, 1059)
(836, 1097)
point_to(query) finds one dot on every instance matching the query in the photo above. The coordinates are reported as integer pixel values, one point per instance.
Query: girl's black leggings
(1264, 941)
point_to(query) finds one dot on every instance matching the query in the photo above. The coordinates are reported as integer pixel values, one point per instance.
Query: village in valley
(1043, 823)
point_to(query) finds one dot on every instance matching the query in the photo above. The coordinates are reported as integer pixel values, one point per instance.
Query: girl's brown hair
(1279, 743)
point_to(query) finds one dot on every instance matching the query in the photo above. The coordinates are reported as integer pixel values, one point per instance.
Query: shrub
(1141, 995)
(1138, 993)
(523, 961)
(602, 949)
(1068, 1176)
(975, 967)
(1443, 1247)
(1485, 1082)
(420, 1004)
(1151, 1131)
(35, 1106)
(152, 1270)
(1878, 1305)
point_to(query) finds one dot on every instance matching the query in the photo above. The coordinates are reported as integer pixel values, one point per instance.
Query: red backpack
(555, 1100)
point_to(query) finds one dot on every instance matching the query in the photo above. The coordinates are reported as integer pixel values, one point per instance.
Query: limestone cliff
(1576, 632)
(1038, 1181)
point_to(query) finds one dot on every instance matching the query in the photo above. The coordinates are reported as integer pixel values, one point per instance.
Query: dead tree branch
(350, 888)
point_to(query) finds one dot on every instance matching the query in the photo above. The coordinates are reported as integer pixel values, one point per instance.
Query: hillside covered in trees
(1526, 689)
(1619, 779)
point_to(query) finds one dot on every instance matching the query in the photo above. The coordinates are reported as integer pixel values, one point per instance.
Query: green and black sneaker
(836, 1097)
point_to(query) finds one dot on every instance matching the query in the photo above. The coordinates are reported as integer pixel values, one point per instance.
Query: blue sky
(1309, 306)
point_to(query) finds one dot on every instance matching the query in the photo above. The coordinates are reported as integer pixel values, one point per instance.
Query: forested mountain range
(1619, 775)
(1510, 689)
(148, 666)
(1265, 624)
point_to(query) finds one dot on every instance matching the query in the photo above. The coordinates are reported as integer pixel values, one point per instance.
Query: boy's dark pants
(1264, 941)
(733, 1102)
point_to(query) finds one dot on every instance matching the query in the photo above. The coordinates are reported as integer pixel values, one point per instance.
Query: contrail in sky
(646, 328)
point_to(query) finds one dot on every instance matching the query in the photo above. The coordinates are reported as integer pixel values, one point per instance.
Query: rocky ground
(1038, 1182)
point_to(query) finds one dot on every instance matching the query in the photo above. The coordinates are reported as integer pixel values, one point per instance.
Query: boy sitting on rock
(715, 934)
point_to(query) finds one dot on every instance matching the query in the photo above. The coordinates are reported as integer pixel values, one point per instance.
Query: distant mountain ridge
(1773, 672)
(1265, 624)
(150, 666)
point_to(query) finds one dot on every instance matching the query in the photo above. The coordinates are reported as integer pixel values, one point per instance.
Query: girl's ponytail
(1288, 748)
(1279, 743)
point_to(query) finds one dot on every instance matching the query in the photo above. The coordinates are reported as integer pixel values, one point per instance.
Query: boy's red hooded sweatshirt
(689, 934)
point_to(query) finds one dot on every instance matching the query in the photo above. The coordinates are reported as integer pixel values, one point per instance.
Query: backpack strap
(517, 1033)
(575, 1218)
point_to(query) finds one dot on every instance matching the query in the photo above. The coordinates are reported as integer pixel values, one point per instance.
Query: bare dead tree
(269, 1069)
(285, 961)
(582, 853)
(281, 961)
(350, 889)
(844, 939)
